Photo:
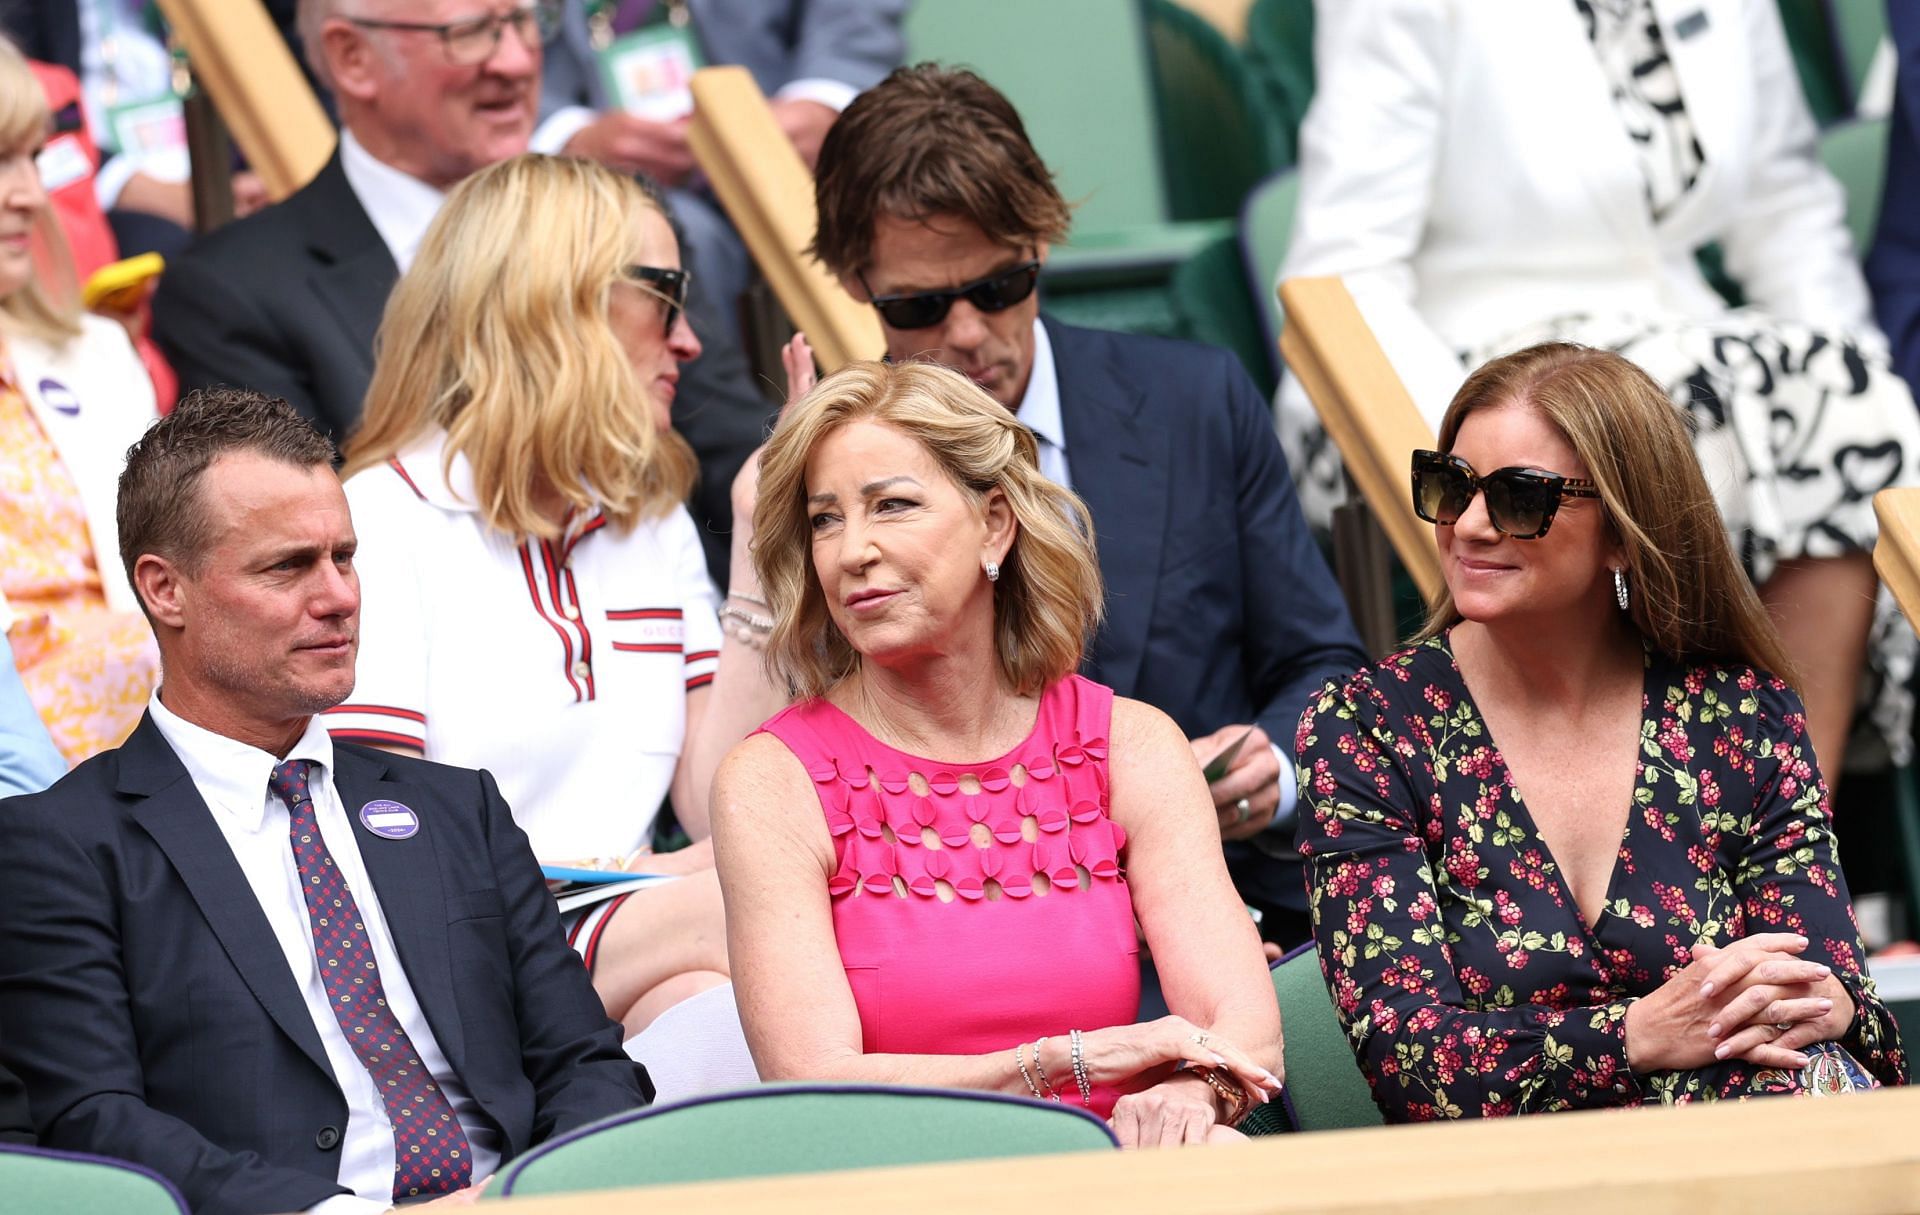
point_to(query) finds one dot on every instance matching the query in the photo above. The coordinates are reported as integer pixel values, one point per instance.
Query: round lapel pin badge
(390, 820)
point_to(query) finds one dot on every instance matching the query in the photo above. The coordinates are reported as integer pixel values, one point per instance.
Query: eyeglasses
(475, 39)
(670, 287)
(997, 292)
(1520, 501)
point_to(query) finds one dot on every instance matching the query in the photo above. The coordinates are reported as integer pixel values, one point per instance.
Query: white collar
(1040, 406)
(400, 205)
(446, 484)
(231, 775)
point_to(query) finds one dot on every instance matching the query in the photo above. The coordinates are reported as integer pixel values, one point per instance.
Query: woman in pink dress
(934, 861)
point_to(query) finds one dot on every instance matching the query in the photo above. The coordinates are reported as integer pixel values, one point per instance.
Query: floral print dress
(1468, 981)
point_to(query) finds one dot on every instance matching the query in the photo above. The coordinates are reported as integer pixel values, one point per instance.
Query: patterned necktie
(430, 1152)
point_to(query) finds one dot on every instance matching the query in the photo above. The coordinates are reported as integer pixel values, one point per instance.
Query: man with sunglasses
(1220, 610)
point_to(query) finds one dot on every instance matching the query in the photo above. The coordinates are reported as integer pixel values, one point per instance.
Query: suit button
(328, 1138)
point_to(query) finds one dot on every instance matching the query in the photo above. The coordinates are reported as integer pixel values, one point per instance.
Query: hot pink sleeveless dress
(977, 905)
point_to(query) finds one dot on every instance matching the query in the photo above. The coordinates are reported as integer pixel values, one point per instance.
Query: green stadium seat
(1859, 27)
(1855, 151)
(1217, 134)
(1816, 59)
(1325, 1090)
(1280, 55)
(798, 1128)
(1210, 298)
(40, 1181)
(1266, 228)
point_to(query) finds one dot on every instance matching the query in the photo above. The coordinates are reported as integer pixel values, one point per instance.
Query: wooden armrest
(1897, 555)
(239, 58)
(1366, 410)
(768, 194)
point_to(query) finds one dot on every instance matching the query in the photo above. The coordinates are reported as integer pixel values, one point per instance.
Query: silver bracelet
(753, 629)
(1080, 1070)
(743, 597)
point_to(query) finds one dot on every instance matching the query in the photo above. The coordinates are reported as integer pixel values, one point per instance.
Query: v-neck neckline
(1648, 713)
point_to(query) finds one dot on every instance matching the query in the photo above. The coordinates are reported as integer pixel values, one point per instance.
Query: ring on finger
(1199, 1037)
(1782, 1026)
(1242, 811)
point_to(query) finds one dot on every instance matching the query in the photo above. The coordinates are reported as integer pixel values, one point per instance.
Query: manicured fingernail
(1270, 1078)
(1826, 1006)
(1824, 972)
(1706, 989)
(1218, 1060)
(1713, 1031)
(1721, 1051)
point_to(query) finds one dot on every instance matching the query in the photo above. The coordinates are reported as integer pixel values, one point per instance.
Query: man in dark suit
(283, 973)
(1221, 611)
(288, 301)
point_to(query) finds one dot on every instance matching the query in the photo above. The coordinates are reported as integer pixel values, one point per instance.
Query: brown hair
(160, 510)
(930, 141)
(499, 334)
(1690, 598)
(1048, 600)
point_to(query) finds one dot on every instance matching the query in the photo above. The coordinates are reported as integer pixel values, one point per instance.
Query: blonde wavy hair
(51, 316)
(1690, 598)
(499, 333)
(1049, 598)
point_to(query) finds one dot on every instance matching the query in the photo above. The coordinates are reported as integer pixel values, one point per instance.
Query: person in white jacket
(1486, 174)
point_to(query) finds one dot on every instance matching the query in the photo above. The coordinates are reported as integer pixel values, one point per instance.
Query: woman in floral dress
(1573, 848)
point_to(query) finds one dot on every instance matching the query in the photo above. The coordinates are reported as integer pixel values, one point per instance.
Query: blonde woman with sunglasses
(1572, 848)
(535, 597)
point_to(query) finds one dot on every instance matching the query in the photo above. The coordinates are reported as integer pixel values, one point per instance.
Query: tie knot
(289, 782)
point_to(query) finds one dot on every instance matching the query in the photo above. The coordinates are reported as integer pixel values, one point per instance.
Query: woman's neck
(1552, 665)
(941, 706)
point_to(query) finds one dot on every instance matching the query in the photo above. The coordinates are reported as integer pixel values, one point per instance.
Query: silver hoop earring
(993, 571)
(1620, 588)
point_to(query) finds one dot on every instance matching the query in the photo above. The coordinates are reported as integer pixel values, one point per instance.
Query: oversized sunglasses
(1520, 501)
(997, 292)
(670, 287)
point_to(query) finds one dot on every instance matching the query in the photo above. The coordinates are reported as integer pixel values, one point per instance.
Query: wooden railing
(239, 58)
(1859, 1154)
(768, 193)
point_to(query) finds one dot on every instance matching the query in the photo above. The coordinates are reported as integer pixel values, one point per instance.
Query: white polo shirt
(563, 666)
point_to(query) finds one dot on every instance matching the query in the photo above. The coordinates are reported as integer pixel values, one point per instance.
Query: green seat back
(1210, 297)
(37, 1181)
(1216, 136)
(778, 1129)
(1324, 1084)
(1859, 27)
(1266, 229)
(1280, 56)
(1856, 153)
(1078, 71)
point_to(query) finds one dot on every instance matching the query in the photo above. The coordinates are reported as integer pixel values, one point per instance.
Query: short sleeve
(388, 705)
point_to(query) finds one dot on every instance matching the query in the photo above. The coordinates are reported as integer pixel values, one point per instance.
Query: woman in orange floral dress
(73, 396)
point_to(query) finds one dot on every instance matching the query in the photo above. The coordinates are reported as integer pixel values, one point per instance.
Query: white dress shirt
(232, 778)
(400, 205)
(1039, 412)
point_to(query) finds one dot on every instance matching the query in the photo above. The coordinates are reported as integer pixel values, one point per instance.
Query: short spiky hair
(160, 508)
(927, 141)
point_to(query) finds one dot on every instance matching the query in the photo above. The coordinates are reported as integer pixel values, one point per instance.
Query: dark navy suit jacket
(1220, 607)
(148, 1007)
(1893, 266)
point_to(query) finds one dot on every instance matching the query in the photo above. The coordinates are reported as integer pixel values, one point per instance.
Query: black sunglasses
(1520, 501)
(997, 292)
(670, 287)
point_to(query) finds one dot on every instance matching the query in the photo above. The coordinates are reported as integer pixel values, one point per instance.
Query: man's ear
(160, 586)
(352, 60)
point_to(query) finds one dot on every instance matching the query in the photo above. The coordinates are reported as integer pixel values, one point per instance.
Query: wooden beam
(240, 59)
(768, 193)
(1366, 410)
(1855, 1153)
(1897, 554)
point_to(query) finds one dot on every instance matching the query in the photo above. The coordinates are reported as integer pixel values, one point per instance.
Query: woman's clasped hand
(1185, 1105)
(1754, 999)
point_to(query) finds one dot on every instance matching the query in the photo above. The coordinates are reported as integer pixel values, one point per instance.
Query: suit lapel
(1108, 444)
(406, 876)
(355, 272)
(179, 821)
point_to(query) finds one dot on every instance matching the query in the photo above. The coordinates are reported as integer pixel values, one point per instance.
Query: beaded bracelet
(1046, 1081)
(1020, 1061)
(753, 629)
(1080, 1070)
(1236, 1098)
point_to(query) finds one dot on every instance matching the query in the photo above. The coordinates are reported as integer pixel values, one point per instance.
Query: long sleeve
(28, 760)
(1433, 1043)
(1789, 878)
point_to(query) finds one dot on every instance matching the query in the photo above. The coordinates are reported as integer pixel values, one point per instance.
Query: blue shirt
(28, 760)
